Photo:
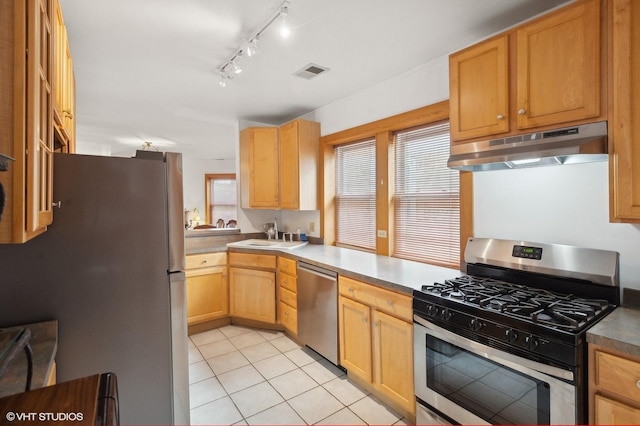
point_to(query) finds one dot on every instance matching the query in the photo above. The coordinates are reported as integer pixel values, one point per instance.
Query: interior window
(356, 195)
(221, 200)
(426, 198)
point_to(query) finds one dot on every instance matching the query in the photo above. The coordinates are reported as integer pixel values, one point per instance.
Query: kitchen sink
(268, 244)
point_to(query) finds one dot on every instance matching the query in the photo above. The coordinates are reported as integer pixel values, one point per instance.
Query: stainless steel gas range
(505, 344)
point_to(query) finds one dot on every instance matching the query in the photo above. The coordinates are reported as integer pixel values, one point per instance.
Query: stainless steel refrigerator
(110, 269)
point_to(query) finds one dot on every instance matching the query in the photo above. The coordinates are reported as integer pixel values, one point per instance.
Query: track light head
(284, 29)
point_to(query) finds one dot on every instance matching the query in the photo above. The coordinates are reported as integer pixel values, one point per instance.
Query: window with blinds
(426, 198)
(356, 195)
(221, 198)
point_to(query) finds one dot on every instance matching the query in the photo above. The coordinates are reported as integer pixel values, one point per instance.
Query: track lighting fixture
(237, 69)
(249, 47)
(284, 29)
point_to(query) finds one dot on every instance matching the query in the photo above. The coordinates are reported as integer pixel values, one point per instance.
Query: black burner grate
(560, 311)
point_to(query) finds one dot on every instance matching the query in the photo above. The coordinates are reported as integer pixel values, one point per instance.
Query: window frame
(383, 130)
(409, 196)
(208, 181)
(370, 143)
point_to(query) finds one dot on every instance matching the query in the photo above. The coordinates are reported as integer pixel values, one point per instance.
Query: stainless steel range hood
(569, 145)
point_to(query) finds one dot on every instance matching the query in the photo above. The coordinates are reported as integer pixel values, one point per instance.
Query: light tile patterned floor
(241, 375)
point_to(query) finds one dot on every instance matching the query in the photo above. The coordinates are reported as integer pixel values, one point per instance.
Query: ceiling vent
(311, 71)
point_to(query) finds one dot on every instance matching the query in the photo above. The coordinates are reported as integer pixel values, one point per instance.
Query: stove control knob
(445, 315)
(475, 324)
(531, 342)
(510, 335)
(431, 310)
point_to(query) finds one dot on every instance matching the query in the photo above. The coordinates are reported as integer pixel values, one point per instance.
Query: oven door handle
(488, 352)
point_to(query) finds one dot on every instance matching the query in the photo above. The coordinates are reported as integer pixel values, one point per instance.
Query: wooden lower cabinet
(614, 387)
(207, 287)
(393, 358)
(376, 340)
(611, 412)
(253, 294)
(288, 294)
(289, 317)
(355, 337)
(207, 294)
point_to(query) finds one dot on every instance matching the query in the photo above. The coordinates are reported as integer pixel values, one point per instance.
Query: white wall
(563, 205)
(193, 180)
(413, 89)
(557, 204)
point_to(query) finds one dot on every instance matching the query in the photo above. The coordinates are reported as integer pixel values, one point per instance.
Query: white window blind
(426, 198)
(356, 195)
(223, 200)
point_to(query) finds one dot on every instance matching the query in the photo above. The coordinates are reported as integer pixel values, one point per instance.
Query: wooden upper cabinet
(26, 117)
(624, 126)
(543, 74)
(259, 167)
(64, 85)
(299, 150)
(279, 166)
(39, 129)
(479, 89)
(558, 66)
(29, 88)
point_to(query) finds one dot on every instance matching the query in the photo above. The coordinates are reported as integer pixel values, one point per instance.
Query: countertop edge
(393, 285)
(613, 331)
(44, 345)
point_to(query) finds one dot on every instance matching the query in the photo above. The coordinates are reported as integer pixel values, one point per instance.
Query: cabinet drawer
(608, 412)
(618, 375)
(393, 303)
(288, 297)
(287, 265)
(205, 260)
(267, 261)
(288, 282)
(289, 317)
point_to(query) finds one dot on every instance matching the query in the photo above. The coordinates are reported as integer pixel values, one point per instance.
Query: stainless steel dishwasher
(318, 310)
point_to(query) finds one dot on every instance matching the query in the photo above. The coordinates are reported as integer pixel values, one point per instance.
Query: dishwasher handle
(316, 270)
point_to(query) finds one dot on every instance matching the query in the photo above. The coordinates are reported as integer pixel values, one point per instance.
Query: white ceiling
(146, 69)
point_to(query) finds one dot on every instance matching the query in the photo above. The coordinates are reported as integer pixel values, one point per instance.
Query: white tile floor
(241, 375)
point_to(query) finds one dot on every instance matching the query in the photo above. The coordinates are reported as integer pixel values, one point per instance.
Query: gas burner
(554, 310)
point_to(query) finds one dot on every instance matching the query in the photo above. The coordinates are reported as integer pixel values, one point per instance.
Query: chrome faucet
(275, 227)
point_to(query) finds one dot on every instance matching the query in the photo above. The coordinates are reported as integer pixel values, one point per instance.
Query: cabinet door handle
(58, 204)
(638, 384)
(375, 324)
(364, 319)
(350, 289)
(389, 302)
(522, 111)
(500, 117)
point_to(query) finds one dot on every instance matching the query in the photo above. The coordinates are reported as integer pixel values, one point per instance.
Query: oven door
(472, 383)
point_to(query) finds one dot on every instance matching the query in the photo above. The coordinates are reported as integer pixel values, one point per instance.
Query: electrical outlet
(382, 234)
(312, 227)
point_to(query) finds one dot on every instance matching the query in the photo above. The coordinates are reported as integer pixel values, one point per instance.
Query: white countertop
(397, 274)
